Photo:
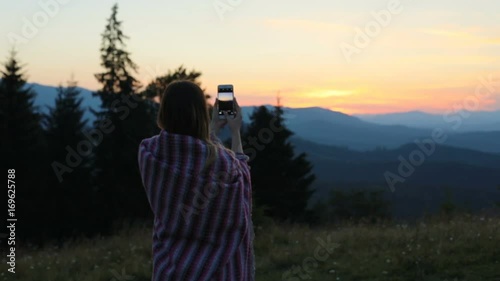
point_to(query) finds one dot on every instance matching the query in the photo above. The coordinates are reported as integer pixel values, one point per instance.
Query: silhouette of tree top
(156, 87)
(117, 77)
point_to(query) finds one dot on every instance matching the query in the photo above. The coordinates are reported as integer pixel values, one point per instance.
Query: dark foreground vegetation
(458, 248)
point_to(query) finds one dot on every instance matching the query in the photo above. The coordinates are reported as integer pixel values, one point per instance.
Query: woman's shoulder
(232, 160)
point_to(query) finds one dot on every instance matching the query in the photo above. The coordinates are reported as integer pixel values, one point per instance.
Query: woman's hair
(184, 110)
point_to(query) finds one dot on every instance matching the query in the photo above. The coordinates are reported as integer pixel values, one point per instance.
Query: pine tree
(117, 77)
(64, 123)
(281, 180)
(70, 193)
(22, 147)
(64, 127)
(20, 120)
(117, 177)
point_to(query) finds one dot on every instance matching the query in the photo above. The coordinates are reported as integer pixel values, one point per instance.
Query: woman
(199, 191)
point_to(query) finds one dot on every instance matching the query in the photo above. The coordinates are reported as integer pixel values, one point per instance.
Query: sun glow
(327, 93)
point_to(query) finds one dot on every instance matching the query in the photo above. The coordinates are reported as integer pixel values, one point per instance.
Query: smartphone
(225, 95)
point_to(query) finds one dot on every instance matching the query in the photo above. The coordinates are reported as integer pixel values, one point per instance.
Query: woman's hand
(234, 123)
(235, 127)
(216, 124)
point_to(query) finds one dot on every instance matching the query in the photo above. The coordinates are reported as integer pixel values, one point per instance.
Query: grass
(464, 248)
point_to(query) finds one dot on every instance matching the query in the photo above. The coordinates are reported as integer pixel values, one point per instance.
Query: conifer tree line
(76, 177)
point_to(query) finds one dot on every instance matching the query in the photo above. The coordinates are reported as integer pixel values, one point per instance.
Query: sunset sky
(428, 55)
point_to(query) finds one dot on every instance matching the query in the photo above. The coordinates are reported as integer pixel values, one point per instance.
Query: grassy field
(465, 248)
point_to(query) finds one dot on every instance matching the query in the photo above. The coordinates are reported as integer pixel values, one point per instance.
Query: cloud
(307, 25)
(470, 36)
(446, 32)
(450, 59)
(495, 102)
(321, 94)
(493, 41)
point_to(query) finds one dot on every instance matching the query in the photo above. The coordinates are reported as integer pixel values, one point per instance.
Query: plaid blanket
(202, 217)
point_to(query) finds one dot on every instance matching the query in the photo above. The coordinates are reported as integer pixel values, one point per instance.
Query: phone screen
(225, 101)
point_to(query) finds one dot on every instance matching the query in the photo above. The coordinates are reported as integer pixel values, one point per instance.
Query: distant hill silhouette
(376, 162)
(328, 127)
(476, 121)
(470, 176)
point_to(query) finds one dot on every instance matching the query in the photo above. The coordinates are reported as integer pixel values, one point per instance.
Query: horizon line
(306, 107)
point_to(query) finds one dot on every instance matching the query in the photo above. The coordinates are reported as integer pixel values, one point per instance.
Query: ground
(463, 248)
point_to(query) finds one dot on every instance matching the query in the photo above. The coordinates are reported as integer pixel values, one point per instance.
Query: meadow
(462, 248)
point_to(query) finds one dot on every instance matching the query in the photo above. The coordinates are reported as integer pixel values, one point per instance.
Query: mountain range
(328, 127)
(470, 177)
(358, 151)
(460, 121)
